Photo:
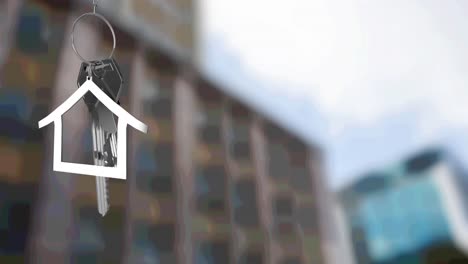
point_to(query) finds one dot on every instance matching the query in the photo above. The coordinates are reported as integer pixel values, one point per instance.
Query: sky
(370, 81)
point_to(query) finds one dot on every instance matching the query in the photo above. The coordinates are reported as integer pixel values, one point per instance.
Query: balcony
(208, 155)
(250, 238)
(153, 209)
(207, 227)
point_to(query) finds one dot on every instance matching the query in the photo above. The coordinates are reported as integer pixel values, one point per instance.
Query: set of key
(108, 77)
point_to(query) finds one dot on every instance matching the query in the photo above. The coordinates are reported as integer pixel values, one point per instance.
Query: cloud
(358, 62)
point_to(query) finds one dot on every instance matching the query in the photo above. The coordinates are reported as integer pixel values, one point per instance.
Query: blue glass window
(212, 253)
(210, 189)
(245, 203)
(395, 222)
(146, 159)
(32, 32)
(154, 243)
(278, 161)
(14, 105)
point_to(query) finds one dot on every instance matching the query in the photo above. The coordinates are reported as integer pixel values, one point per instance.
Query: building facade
(413, 212)
(213, 181)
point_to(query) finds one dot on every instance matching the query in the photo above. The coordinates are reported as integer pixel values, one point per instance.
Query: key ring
(100, 17)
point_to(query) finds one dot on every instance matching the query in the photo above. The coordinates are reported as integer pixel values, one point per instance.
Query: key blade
(102, 195)
(101, 182)
(103, 204)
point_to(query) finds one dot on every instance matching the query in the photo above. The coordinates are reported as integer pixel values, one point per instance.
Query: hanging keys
(107, 76)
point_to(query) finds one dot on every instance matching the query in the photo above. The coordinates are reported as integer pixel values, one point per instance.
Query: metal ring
(73, 37)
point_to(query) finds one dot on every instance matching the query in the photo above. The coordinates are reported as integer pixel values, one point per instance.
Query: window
(278, 161)
(90, 240)
(273, 132)
(158, 96)
(360, 246)
(154, 244)
(13, 129)
(114, 233)
(251, 258)
(372, 182)
(2, 17)
(15, 114)
(240, 131)
(291, 260)
(212, 253)
(15, 214)
(155, 168)
(241, 150)
(97, 238)
(164, 235)
(300, 179)
(245, 204)
(14, 105)
(146, 159)
(150, 183)
(306, 216)
(18, 229)
(423, 161)
(160, 108)
(283, 215)
(32, 32)
(209, 124)
(283, 207)
(211, 134)
(239, 140)
(210, 187)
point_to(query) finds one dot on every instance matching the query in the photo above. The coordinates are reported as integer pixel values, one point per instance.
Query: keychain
(107, 76)
(99, 84)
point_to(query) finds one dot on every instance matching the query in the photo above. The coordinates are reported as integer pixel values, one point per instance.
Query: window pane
(210, 189)
(251, 258)
(154, 243)
(245, 207)
(423, 161)
(278, 161)
(283, 207)
(212, 253)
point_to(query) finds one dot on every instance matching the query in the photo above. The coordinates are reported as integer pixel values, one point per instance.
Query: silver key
(99, 160)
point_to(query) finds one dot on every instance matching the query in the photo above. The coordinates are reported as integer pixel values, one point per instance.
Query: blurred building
(413, 212)
(213, 181)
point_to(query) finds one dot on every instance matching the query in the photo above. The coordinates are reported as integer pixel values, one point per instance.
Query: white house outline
(118, 172)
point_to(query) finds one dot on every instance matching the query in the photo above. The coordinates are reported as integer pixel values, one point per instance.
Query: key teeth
(103, 213)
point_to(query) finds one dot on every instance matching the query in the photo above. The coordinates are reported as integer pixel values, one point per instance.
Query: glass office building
(399, 215)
